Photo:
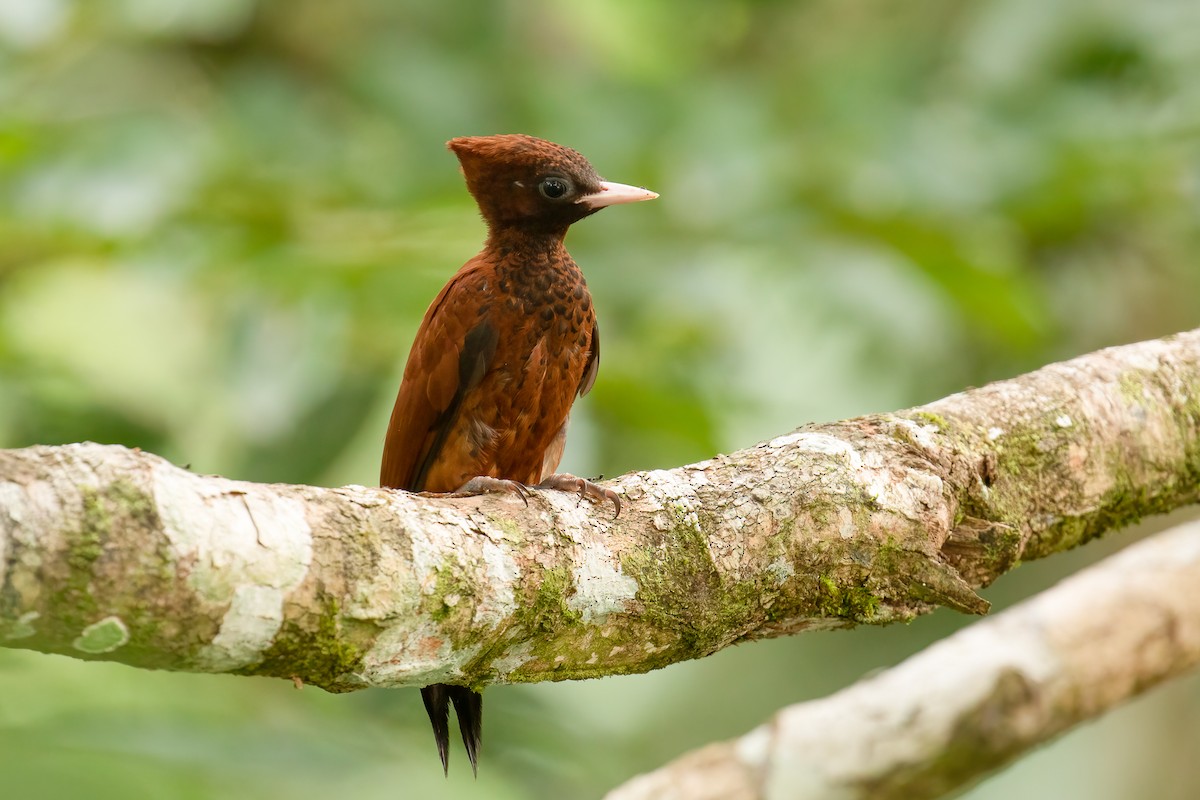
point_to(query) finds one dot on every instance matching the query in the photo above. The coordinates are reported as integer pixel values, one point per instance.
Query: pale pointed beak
(612, 194)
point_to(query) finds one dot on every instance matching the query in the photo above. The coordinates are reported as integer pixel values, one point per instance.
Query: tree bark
(110, 553)
(974, 701)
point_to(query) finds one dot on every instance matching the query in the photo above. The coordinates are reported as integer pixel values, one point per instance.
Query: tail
(468, 707)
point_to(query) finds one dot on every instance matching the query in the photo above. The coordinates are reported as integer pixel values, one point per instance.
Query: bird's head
(525, 183)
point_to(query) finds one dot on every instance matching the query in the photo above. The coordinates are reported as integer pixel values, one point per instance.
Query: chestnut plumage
(502, 353)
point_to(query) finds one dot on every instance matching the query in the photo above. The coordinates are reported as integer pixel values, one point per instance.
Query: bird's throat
(523, 245)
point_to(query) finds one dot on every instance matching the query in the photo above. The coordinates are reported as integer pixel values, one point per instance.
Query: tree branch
(1003, 686)
(115, 554)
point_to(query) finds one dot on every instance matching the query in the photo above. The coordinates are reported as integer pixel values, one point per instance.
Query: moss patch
(549, 611)
(71, 607)
(316, 648)
(512, 531)
(682, 591)
(452, 603)
(850, 602)
(560, 646)
(930, 418)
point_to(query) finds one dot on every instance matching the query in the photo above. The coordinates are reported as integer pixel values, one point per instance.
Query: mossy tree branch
(1002, 686)
(115, 554)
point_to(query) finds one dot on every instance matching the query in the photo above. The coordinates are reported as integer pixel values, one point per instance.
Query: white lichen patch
(846, 526)
(785, 440)
(1063, 421)
(601, 588)
(921, 433)
(780, 570)
(516, 657)
(911, 493)
(502, 575)
(364, 496)
(673, 498)
(728, 548)
(829, 445)
(413, 652)
(23, 627)
(243, 548)
(994, 433)
(32, 521)
(453, 544)
(385, 592)
(104, 636)
(444, 544)
(663, 490)
(685, 513)
(253, 618)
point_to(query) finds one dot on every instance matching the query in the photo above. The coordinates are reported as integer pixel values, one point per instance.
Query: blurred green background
(221, 221)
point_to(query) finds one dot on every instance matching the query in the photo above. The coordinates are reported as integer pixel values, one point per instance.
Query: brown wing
(593, 361)
(451, 353)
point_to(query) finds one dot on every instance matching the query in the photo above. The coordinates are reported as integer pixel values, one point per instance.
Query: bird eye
(554, 187)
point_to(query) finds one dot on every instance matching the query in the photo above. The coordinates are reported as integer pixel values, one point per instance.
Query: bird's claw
(560, 481)
(485, 484)
(565, 482)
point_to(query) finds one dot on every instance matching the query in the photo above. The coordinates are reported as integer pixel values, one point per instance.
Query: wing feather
(450, 355)
(592, 367)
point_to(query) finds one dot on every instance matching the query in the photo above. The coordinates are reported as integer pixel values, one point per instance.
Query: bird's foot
(566, 482)
(484, 484)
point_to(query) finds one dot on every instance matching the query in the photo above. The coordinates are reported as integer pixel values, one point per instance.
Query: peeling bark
(115, 554)
(1003, 686)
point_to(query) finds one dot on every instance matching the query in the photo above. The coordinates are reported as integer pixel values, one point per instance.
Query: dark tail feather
(437, 705)
(468, 706)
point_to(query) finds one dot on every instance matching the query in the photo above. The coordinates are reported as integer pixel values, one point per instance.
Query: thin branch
(974, 701)
(115, 554)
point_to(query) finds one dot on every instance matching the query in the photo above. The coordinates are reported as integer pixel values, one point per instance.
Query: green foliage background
(221, 221)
